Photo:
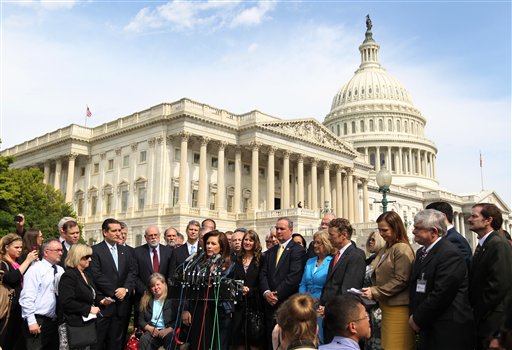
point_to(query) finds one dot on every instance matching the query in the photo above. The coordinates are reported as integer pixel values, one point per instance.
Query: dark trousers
(148, 342)
(270, 323)
(110, 333)
(48, 339)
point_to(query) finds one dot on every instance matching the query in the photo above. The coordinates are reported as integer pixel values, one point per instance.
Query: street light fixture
(384, 181)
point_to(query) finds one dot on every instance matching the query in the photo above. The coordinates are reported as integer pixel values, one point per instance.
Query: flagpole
(86, 107)
(481, 171)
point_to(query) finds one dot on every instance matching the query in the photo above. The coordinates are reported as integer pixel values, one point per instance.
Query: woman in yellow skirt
(390, 280)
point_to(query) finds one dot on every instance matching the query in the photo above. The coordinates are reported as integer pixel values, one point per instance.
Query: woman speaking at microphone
(208, 313)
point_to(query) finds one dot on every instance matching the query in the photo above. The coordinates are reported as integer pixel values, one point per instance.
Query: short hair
(297, 318)
(63, 221)
(69, 224)
(398, 232)
(288, 220)
(76, 253)
(379, 242)
(431, 218)
(7, 240)
(324, 237)
(179, 234)
(304, 244)
(340, 311)
(444, 208)
(489, 210)
(107, 222)
(123, 225)
(171, 228)
(211, 220)
(49, 241)
(193, 223)
(146, 230)
(342, 224)
(240, 229)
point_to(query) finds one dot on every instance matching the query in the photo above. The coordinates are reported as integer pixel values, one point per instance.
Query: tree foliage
(23, 191)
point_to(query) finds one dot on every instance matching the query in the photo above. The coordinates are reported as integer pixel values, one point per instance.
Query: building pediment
(311, 131)
(492, 197)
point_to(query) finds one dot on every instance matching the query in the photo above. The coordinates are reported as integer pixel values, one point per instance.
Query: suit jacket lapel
(286, 252)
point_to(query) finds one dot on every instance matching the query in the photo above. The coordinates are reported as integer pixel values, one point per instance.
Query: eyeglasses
(366, 317)
(55, 250)
(86, 257)
(269, 241)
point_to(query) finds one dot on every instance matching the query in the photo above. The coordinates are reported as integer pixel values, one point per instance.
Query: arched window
(381, 125)
(345, 129)
(390, 125)
(338, 129)
(361, 126)
(398, 125)
(371, 125)
(353, 127)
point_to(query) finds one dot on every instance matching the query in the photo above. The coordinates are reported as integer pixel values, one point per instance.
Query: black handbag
(82, 336)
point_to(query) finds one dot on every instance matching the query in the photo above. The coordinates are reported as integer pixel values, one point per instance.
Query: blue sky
(285, 58)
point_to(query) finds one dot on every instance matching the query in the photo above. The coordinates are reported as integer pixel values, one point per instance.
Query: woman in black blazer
(247, 268)
(77, 294)
(157, 315)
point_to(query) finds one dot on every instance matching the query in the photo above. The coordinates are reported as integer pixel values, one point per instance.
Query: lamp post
(384, 181)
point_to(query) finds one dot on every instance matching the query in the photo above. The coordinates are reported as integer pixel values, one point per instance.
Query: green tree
(23, 191)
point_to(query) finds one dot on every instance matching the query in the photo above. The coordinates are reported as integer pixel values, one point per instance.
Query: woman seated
(157, 315)
(77, 295)
(296, 324)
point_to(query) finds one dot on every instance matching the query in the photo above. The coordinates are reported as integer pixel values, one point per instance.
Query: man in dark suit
(150, 258)
(281, 272)
(438, 291)
(113, 271)
(346, 269)
(451, 234)
(71, 235)
(490, 282)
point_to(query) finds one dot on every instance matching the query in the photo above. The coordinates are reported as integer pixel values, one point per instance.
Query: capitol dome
(375, 112)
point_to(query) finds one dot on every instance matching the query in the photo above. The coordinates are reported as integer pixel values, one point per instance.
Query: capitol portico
(185, 160)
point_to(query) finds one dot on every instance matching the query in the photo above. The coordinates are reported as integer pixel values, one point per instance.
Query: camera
(18, 218)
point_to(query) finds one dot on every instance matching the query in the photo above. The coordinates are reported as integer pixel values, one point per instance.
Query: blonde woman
(157, 316)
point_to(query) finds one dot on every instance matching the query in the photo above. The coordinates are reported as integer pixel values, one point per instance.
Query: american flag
(481, 160)
(88, 112)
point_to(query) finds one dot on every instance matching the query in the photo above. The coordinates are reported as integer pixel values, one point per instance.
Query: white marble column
(300, 179)
(400, 161)
(418, 166)
(314, 186)
(434, 166)
(456, 222)
(365, 200)
(238, 180)
(356, 201)
(202, 188)
(254, 175)
(58, 172)
(271, 178)
(46, 172)
(410, 162)
(221, 185)
(388, 160)
(71, 177)
(345, 195)
(462, 230)
(339, 196)
(377, 159)
(327, 184)
(350, 181)
(184, 184)
(286, 180)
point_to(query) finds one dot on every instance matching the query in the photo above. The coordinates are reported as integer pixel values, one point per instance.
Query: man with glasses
(113, 271)
(349, 321)
(38, 298)
(438, 289)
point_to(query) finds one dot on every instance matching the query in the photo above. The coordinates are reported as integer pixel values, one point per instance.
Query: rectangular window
(177, 154)
(80, 207)
(142, 156)
(175, 195)
(215, 162)
(126, 160)
(124, 201)
(247, 169)
(141, 197)
(261, 172)
(194, 198)
(110, 165)
(196, 158)
(276, 176)
(82, 171)
(212, 200)
(94, 204)
(231, 166)
(96, 168)
(230, 203)
(108, 203)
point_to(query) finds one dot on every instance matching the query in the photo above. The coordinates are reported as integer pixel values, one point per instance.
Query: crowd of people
(210, 289)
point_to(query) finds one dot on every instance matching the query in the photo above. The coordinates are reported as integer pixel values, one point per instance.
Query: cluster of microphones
(197, 272)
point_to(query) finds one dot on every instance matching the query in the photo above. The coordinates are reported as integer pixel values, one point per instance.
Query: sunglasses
(87, 257)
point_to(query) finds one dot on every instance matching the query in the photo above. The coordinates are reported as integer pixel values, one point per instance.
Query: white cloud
(187, 15)
(252, 48)
(254, 15)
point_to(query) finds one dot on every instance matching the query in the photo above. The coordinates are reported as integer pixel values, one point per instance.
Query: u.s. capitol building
(187, 160)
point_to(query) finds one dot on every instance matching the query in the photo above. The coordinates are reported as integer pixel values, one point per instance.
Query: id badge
(421, 284)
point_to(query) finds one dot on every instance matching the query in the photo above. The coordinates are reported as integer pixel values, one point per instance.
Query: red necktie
(156, 265)
(336, 258)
